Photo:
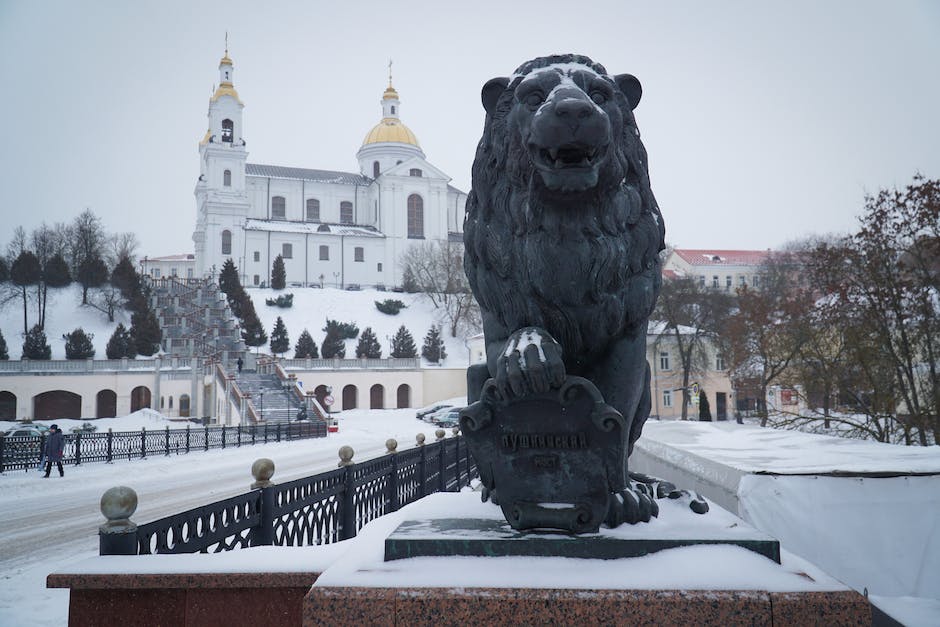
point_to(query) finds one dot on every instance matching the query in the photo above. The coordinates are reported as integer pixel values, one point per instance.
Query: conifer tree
(306, 347)
(333, 345)
(252, 331)
(92, 272)
(4, 270)
(368, 345)
(56, 272)
(35, 345)
(403, 344)
(704, 409)
(4, 354)
(229, 282)
(145, 330)
(121, 344)
(78, 344)
(280, 343)
(278, 274)
(408, 281)
(125, 278)
(433, 349)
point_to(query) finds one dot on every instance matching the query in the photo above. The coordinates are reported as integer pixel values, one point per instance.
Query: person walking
(55, 445)
(240, 364)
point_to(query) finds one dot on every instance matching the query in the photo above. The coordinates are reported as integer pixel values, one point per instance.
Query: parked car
(425, 412)
(446, 418)
(353, 287)
(26, 431)
(295, 284)
(22, 443)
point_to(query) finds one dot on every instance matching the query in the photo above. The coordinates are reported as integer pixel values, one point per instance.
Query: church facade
(342, 229)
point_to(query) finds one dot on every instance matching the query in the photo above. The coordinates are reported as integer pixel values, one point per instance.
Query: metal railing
(407, 363)
(25, 452)
(324, 508)
(79, 366)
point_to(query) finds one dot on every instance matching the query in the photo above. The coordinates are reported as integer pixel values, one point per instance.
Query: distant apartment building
(725, 270)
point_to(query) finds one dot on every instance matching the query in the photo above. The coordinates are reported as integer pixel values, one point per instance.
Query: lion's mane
(588, 272)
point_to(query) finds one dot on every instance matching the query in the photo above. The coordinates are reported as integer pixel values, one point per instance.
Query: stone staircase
(195, 319)
(271, 400)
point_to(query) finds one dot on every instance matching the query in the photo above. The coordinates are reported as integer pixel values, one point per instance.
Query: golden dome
(226, 89)
(390, 93)
(390, 130)
(225, 60)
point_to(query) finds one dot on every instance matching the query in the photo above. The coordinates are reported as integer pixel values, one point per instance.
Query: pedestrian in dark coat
(55, 446)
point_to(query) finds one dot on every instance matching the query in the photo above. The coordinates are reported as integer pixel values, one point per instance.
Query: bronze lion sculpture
(562, 236)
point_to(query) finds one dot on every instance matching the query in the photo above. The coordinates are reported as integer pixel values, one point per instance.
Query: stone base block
(518, 606)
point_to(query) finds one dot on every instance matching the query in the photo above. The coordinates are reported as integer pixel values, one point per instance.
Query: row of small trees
(368, 346)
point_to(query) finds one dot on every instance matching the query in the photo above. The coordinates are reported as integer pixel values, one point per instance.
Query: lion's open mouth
(570, 156)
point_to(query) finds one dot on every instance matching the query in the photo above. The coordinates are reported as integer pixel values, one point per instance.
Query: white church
(332, 228)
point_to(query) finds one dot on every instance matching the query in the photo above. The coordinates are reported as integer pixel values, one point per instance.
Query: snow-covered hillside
(312, 306)
(64, 314)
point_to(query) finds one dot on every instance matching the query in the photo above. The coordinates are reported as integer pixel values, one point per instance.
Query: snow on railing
(85, 366)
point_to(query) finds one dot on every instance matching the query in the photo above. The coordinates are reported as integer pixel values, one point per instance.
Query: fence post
(166, 442)
(347, 517)
(253, 430)
(143, 442)
(223, 436)
(265, 433)
(109, 454)
(238, 436)
(262, 470)
(441, 479)
(3, 440)
(391, 446)
(207, 438)
(278, 432)
(78, 448)
(422, 466)
(118, 536)
(187, 438)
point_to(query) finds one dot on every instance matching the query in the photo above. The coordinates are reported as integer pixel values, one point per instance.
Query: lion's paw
(633, 505)
(531, 363)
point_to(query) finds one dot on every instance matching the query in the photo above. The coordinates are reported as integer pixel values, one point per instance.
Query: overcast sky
(763, 121)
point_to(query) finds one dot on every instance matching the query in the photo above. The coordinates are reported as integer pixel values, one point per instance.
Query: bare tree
(87, 239)
(437, 268)
(122, 245)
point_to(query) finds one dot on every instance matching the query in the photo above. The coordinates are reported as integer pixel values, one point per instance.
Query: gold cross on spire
(226, 43)
(389, 72)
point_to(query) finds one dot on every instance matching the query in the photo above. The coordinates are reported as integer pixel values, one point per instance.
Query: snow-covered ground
(64, 314)
(312, 306)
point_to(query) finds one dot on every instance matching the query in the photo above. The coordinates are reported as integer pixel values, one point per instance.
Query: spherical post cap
(391, 445)
(440, 433)
(420, 439)
(262, 469)
(346, 453)
(119, 503)
(455, 431)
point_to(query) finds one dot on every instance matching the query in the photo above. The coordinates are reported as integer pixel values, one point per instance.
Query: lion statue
(562, 235)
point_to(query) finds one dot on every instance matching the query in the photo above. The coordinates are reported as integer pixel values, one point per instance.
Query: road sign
(328, 400)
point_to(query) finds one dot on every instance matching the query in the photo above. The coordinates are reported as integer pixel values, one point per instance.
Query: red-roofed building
(720, 269)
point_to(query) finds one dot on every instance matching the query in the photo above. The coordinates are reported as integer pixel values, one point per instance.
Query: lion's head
(560, 172)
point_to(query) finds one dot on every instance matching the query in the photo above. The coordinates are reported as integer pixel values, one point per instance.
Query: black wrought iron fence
(320, 509)
(25, 452)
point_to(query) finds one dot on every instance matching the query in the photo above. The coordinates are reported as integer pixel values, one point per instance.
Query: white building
(182, 266)
(336, 228)
(725, 270)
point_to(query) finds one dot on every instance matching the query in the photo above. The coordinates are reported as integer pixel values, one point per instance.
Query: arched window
(324, 253)
(57, 404)
(313, 210)
(377, 397)
(106, 404)
(227, 178)
(359, 254)
(226, 242)
(7, 406)
(140, 398)
(345, 212)
(415, 217)
(376, 170)
(278, 208)
(184, 405)
(228, 130)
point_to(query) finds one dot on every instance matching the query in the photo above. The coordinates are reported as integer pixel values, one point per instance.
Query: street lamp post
(261, 409)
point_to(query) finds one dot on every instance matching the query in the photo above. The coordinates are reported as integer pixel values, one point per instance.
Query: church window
(415, 217)
(324, 253)
(345, 212)
(278, 208)
(256, 279)
(226, 242)
(257, 256)
(414, 172)
(227, 178)
(376, 170)
(393, 109)
(228, 130)
(360, 254)
(287, 251)
(313, 210)
(378, 267)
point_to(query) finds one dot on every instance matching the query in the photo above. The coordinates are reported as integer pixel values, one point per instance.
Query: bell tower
(221, 196)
